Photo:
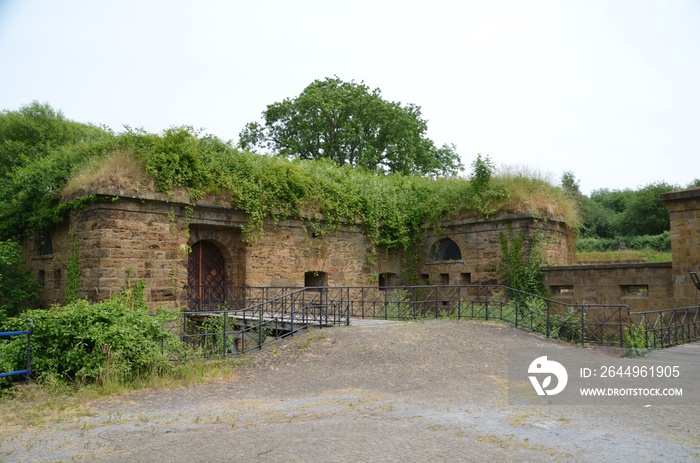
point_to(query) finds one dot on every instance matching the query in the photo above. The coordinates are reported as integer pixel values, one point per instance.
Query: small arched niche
(446, 250)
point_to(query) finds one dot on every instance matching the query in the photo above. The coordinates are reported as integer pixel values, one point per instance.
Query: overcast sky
(607, 89)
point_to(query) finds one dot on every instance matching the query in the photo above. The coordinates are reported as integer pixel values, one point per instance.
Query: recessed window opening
(635, 290)
(44, 243)
(565, 290)
(446, 250)
(315, 279)
(387, 280)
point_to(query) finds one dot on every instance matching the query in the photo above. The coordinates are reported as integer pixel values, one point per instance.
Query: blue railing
(28, 370)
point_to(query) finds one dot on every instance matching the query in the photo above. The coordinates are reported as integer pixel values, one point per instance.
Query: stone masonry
(151, 236)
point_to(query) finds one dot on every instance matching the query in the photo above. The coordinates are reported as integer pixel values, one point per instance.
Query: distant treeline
(638, 218)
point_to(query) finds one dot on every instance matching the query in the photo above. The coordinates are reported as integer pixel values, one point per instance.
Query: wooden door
(206, 277)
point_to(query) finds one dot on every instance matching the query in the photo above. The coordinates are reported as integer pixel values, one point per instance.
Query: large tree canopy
(352, 125)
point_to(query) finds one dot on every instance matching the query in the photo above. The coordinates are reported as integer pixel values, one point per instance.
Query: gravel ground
(374, 392)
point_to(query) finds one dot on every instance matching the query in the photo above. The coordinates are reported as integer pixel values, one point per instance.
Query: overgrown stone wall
(49, 268)
(151, 237)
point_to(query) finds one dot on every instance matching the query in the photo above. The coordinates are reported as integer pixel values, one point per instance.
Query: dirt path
(401, 392)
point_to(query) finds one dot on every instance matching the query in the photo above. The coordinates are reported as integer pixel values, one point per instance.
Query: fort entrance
(206, 277)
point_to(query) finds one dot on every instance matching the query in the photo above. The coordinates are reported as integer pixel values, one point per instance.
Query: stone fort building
(192, 254)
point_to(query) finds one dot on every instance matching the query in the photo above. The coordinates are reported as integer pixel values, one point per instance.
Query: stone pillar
(684, 209)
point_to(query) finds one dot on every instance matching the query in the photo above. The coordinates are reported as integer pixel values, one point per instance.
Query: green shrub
(635, 341)
(114, 340)
(18, 290)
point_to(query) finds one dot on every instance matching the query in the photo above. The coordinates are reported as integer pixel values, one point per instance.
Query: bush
(18, 290)
(90, 343)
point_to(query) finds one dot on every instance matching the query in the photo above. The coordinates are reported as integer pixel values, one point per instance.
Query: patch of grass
(622, 257)
(57, 403)
(117, 171)
(310, 339)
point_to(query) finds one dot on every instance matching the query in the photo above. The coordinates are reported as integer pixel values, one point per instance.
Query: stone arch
(228, 242)
(445, 249)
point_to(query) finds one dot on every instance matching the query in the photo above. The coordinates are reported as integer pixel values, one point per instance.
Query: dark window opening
(425, 278)
(635, 290)
(444, 278)
(563, 290)
(44, 243)
(387, 280)
(42, 278)
(466, 278)
(315, 279)
(446, 249)
(57, 278)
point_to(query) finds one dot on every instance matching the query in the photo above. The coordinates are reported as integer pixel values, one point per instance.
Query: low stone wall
(639, 286)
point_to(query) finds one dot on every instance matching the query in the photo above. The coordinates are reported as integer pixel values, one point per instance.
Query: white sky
(607, 89)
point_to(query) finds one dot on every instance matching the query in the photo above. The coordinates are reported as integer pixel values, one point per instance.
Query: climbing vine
(73, 272)
(521, 266)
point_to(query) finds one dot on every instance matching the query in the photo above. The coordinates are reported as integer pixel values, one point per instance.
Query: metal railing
(598, 324)
(669, 327)
(235, 331)
(28, 370)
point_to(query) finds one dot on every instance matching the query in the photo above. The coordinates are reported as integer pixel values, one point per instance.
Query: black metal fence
(669, 327)
(243, 325)
(281, 311)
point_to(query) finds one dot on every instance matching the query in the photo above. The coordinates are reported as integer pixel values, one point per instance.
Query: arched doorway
(206, 277)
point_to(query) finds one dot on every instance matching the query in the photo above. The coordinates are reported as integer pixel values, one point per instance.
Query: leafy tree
(39, 151)
(645, 213)
(616, 213)
(34, 131)
(351, 125)
(570, 184)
